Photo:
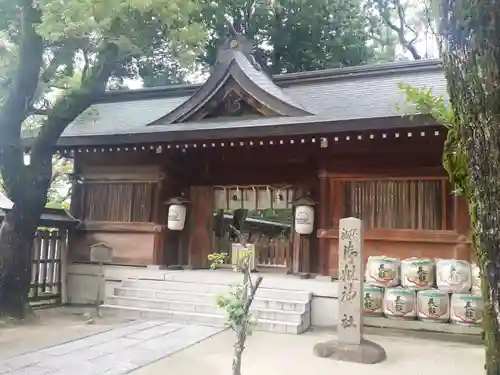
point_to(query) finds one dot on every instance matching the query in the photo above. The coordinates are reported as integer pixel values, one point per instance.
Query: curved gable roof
(234, 64)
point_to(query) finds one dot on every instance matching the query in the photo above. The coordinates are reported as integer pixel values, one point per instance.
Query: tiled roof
(49, 216)
(335, 95)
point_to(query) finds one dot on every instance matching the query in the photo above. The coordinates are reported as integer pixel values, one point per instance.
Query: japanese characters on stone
(351, 280)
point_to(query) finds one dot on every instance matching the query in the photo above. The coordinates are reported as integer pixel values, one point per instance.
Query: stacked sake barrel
(420, 288)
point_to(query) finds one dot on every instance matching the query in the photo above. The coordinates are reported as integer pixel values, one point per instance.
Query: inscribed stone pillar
(350, 345)
(351, 270)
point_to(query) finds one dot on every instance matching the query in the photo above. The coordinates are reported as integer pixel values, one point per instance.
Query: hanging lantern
(304, 215)
(176, 213)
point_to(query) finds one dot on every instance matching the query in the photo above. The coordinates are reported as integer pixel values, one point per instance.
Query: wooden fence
(47, 254)
(272, 252)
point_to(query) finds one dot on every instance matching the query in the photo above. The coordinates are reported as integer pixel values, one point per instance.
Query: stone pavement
(279, 354)
(113, 352)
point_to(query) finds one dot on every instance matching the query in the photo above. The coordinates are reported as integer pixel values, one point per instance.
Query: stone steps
(274, 310)
(206, 298)
(210, 288)
(204, 319)
(202, 308)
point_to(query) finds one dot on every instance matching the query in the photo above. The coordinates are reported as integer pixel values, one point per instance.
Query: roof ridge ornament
(239, 43)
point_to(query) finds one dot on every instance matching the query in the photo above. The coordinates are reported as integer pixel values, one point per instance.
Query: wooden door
(201, 225)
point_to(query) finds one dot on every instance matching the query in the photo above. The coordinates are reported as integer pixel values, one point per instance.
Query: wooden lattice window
(118, 201)
(396, 204)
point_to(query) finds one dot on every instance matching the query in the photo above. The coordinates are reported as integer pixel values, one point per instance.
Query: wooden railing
(272, 252)
(47, 259)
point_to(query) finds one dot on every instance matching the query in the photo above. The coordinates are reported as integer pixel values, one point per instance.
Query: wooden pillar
(301, 253)
(158, 256)
(301, 246)
(336, 214)
(323, 208)
(158, 217)
(201, 225)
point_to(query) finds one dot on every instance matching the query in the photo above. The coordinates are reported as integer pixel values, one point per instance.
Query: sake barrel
(433, 306)
(417, 273)
(373, 298)
(400, 303)
(466, 309)
(382, 271)
(476, 278)
(453, 276)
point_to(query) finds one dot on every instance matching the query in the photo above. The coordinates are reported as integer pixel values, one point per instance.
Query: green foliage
(236, 302)
(153, 36)
(59, 193)
(77, 35)
(234, 306)
(423, 101)
(293, 35)
(217, 259)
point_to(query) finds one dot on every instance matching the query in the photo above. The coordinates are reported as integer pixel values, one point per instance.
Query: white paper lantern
(176, 217)
(304, 219)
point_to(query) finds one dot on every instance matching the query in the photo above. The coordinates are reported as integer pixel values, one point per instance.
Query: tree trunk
(28, 185)
(491, 323)
(16, 239)
(483, 148)
(238, 352)
(472, 66)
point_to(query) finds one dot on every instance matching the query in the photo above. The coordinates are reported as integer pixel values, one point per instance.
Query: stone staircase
(275, 310)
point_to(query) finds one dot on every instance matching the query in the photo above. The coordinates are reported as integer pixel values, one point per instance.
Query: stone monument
(350, 345)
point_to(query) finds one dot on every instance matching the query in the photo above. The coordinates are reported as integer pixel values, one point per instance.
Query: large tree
(77, 46)
(293, 35)
(471, 53)
(400, 24)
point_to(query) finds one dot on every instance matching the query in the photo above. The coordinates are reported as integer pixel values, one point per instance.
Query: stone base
(156, 267)
(175, 267)
(367, 353)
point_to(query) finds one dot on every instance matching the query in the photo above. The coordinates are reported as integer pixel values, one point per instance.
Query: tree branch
(251, 296)
(400, 30)
(230, 26)
(71, 105)
(86, 65)
(66, 109)
(248, 17)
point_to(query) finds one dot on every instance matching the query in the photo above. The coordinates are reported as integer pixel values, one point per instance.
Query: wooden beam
(399, 235)
(105, 226)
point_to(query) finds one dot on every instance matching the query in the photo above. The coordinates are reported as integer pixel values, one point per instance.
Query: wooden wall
(132, 244)
(331, 176)
(403, 198)
(118, 207)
